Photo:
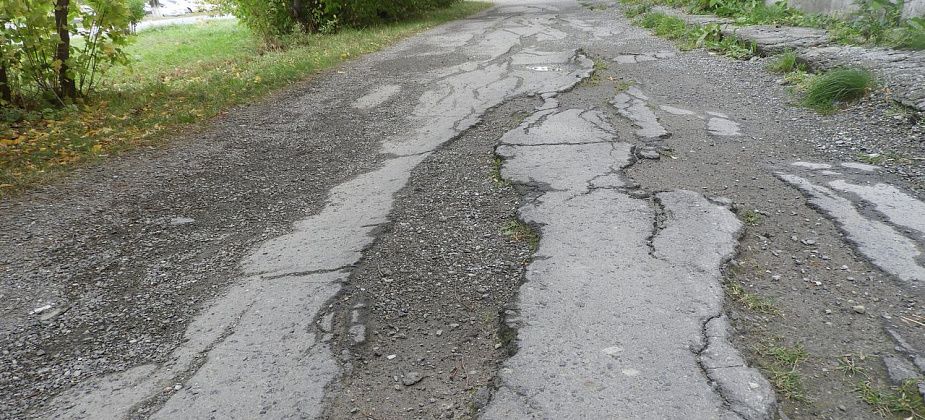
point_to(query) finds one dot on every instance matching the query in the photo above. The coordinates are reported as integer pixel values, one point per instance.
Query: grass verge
(181, 75)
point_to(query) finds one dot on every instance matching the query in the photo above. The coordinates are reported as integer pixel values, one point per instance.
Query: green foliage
(136, 10)
(825, 91)
(275, 19)
(32, 49)
(695, 36)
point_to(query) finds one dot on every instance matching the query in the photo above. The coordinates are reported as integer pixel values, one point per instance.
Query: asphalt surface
(530, 213)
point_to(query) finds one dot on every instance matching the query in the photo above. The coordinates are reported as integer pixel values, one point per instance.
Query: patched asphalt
(481, 221)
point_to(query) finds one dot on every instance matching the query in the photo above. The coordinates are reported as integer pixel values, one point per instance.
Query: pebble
(859, 309)
(411, 378)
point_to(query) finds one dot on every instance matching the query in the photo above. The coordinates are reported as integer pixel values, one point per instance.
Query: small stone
(411, 378)
(775, 277)
(859, 309)
(651, 154)
(391, 356)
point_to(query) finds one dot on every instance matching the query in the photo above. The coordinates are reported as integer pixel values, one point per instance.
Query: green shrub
(825, 91)
(39, 63)
(273, 19)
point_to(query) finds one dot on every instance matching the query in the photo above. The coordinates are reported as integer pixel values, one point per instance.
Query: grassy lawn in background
(180, 75)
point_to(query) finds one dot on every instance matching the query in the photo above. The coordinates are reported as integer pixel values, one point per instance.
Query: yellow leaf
(97, 148)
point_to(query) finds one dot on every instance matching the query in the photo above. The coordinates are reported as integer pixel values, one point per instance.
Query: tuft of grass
(749, 300)
(903, 400)
(521, 232)
(782, 365)
(786, 63)
(181, 75)
(826, 91)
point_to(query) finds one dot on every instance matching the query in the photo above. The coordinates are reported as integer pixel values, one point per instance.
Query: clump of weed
(496, 177)
(825, 91)
(750, 217)
(786, 63)
(749, 300)
(599, 66)
(782, 364)
(849, 364)
(521, 232)
(903, 400)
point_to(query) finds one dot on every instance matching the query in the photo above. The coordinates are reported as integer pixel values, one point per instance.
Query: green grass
(181, 75)
(782, 363)
(903, 400)
(786, 63)
(519, 231)
(750, 301)
(690, 36)
(824, 92)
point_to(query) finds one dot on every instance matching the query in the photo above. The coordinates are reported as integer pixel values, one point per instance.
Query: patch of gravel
(418, 326)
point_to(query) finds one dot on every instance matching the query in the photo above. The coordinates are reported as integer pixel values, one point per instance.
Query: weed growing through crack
(752, 302)
(521, 232)
(750, 217)
(781, 365)
(786, 63)
(599, 66)
(623, 86)
(825, 91)
(903, 400)
(496, 177)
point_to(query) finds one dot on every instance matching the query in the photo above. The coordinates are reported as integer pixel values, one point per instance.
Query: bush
(273, 19)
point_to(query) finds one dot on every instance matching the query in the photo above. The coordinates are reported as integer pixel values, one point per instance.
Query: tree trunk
(6, 94)
(298, 12)
(67, 88)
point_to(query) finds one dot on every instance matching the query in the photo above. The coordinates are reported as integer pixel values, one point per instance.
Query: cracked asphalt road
(485, 220)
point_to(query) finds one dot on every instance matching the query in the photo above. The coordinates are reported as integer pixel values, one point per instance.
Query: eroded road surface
(530, 213)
